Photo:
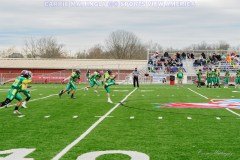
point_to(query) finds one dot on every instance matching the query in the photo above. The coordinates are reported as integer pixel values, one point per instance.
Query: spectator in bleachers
(203, 55)
(184, 55)
(192, 56)
(166, 55)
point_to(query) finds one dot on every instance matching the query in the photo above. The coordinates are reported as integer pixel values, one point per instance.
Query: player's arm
(8, 81)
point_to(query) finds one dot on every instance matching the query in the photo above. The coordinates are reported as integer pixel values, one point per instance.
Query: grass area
(173, 136)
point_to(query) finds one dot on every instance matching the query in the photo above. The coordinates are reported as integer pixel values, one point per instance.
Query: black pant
(135, 80)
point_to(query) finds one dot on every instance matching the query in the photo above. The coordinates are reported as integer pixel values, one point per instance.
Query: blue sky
(80, 28)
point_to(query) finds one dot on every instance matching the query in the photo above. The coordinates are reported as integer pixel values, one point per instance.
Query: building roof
(24, 63)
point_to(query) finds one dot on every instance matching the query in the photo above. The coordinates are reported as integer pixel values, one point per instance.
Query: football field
(157, 122)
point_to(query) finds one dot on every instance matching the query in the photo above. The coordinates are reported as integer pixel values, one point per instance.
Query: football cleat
(109, 101)
(17, 112)
(24, 104)
(60, 93)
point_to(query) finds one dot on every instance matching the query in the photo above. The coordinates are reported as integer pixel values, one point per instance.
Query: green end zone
(173, 136)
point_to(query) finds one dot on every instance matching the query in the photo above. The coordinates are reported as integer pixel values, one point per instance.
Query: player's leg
(19, 103)
(218, 82)
(97, 83)
(10, 96)
(89, 85)
(28, 97)
(74, 89)
(108, 94)
(67, 89)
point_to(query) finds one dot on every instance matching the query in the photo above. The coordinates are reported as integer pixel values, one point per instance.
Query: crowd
(230, 59)
(166, 63)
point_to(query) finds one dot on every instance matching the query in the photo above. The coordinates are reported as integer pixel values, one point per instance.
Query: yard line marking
(47, 116)
(101, 116)
(33, 100)
(198, 93)
(208, 98)
(82, 136)
(218, 118)
(75, 116)
(160, 117)
(233, 112)
(132, 117)
(189, 118)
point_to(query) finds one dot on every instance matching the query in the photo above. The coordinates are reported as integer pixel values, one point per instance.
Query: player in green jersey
(199, 78)
(14, 92)
(180, 77)
(209, 77)
(226, 79)
(71, 85)
(109, 81)
(214, 77)
(94, 79)
(217, 83)
(237, 79)
(24, 90)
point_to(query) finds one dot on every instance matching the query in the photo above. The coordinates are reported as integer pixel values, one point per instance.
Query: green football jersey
(180, 74)
(17, 84)
(238, 73)
(227, 74)
(214, 74)
(209, 74)
(74, 77)
(199, 74)
(95, 76)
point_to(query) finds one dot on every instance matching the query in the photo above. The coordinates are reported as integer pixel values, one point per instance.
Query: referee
(135, 74)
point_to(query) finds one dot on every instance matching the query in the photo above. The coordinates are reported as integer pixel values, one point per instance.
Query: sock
(16, 108)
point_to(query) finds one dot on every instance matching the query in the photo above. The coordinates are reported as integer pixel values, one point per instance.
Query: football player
(226, 79)
(94, 79)
(199, 78)
(109, 81)
(13, 93)
(71, 85)
(237, 79)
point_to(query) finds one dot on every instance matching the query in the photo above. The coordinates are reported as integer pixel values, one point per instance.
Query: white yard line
(208, 98)
(198, 93)
(233, 112)
(82, 136)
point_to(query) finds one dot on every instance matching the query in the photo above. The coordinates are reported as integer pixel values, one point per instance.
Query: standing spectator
(192, 56)
(203, 55)
(184, 55)
(135, 74)
(180, 77)
(166, 54)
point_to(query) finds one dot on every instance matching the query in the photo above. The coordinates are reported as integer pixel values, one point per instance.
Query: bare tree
(222, 45)
(96, 52)
(10, 52)
(125, 45)
(45, 47)
(154, 46)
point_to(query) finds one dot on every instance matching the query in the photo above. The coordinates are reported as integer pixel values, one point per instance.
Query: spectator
(203, 55)
(184, 55)
(192, 56)
(166, 54)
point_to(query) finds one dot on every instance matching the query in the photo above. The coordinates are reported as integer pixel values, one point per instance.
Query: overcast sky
(81, 27)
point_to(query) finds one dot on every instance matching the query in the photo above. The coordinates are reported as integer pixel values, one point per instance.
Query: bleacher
(155, 69)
